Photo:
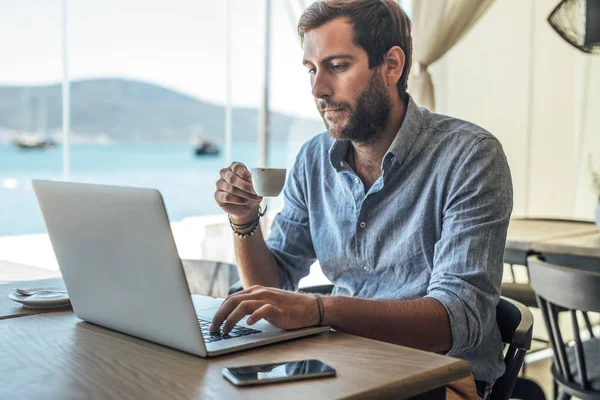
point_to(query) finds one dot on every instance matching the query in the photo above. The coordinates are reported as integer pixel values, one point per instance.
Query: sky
(180, 44)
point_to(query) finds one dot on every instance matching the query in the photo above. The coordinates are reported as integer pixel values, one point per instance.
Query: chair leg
(588, 323)
(554, 389)
(527, 389)
(564, 396)
(512, 273)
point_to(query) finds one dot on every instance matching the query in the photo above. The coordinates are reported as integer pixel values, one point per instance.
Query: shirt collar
(407, 134)
(337, 154)
(400, 147)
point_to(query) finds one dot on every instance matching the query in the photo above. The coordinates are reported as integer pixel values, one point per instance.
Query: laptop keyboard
(236, 332)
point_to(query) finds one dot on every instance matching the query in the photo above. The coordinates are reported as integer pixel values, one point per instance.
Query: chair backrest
(574, 289)
(578, 286)
(209, 278)
(515, 322)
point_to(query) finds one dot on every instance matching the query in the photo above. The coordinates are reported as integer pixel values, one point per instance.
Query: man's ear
(394, 64)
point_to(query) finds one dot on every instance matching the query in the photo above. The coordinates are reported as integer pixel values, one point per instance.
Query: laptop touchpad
(205, 302)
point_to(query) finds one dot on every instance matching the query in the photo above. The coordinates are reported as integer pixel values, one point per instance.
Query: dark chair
(515, 322)
(236, 287)
(526, 389)
(576, 368)
(523, 292)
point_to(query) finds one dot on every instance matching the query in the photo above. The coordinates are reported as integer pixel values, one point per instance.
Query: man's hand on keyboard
(282, 308)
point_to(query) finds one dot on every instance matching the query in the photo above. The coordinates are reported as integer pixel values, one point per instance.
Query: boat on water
(203, 147)
(29, 143)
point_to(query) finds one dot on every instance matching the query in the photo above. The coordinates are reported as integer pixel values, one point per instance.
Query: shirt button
(357, 180)
(366, 268)
(363, 224)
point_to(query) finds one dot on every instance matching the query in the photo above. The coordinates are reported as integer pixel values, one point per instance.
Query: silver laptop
(117, 256)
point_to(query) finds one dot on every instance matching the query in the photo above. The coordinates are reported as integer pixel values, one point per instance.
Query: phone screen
(277, 372)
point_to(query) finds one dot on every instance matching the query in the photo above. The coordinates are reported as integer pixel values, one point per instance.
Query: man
(405, 210)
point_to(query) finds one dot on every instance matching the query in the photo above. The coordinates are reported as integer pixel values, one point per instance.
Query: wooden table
(13, 275)
(528, 236)
(13, 272)
(67, 358)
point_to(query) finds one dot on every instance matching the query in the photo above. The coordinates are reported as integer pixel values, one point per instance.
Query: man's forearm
(420, 323)
(256, 264)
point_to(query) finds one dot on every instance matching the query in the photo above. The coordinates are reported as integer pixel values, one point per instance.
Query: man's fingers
(268, 312)
(235, 180)
(245, 291)
(227, 308)
(255, 292)
(240, 170)
(246, 307)
(223, 198)
(223, 186)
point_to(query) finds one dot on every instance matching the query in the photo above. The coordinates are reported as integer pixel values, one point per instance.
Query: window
(30, 108)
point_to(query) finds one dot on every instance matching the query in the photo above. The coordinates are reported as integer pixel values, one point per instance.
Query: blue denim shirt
(433, 225)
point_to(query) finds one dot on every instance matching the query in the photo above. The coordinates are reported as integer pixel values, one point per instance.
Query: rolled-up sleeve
(290, 239)
(468, 258)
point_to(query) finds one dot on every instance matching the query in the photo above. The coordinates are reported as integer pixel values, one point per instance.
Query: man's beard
(367, 121)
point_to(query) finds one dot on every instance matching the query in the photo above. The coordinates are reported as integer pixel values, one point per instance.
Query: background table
(209, 278)
(12, 272)
(585, 245)
(13, 275)
(58, 356)
(526, 235)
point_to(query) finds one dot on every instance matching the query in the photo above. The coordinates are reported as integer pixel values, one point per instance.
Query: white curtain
(437, 26)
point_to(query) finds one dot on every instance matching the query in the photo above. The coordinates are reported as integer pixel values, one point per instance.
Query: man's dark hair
(378, 25)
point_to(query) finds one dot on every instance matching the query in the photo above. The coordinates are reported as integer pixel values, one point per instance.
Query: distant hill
(127, 110)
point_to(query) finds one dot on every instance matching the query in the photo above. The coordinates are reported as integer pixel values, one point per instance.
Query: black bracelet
(254, 224)
(320, 307)
(242, 226)
(261, 213)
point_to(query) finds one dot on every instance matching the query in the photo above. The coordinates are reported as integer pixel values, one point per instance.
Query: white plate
(42, 300)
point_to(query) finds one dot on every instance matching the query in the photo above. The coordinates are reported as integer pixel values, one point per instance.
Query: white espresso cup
(268, 182)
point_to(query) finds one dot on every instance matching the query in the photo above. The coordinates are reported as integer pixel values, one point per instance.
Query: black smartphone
(277, 372)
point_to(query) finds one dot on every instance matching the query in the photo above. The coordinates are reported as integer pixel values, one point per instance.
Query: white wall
(486, 79)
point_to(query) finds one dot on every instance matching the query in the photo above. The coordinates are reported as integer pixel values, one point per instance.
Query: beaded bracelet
(254, 224)
(243, 226)
(247, 234)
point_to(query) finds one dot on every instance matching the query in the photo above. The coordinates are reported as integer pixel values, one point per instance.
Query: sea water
(187, 182)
